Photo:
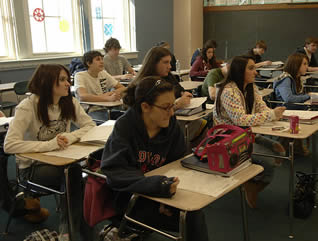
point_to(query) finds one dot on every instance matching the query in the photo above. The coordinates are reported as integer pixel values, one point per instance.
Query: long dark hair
(41, 84)
(146, 90)
(236, 74)
(211, 61)
(149, 64)
(292, 67)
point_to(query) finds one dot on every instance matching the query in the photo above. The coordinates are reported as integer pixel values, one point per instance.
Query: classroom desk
(181, 73)
(265, 92)
(268, 72)
(137, 67)
(58, 161)
(190, 118)
(186, 201)
(108, 104)
(279, 68)
(7, 86)
(191, 85)
(305, 132)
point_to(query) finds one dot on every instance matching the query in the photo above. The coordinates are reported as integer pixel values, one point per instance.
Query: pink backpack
(226, 147)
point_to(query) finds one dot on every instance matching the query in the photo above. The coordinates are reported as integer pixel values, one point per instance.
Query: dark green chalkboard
(282, 30)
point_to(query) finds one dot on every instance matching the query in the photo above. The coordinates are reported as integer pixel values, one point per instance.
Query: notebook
(305, 116)
(193, 162)
(196, 105)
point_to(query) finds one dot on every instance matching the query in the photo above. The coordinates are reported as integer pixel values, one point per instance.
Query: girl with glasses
(146, 137)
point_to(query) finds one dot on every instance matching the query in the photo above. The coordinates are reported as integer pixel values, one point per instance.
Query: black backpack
(76, 65)
(304, 199)
(9, 189)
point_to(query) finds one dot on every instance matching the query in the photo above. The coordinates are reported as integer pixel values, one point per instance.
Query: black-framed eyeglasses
(168, 108)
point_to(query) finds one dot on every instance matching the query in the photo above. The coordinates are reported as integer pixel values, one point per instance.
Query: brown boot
(251, 191)
(38, 216)
(32, 204)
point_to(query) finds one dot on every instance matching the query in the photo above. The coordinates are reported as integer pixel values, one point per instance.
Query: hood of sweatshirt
(280, 78)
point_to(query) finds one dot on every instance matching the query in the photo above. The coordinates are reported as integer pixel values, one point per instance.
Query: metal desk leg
(187, 136)
(244, 216)
(123, 223)
(313, 147)
(68, 201)
(291, 190)
(182, 225)
(108, 113)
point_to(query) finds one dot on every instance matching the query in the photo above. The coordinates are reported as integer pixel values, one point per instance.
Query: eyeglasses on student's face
(167, 109)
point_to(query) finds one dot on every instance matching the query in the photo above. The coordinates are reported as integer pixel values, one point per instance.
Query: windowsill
(64, 60)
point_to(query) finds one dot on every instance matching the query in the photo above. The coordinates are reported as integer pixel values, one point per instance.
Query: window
(46, 29)
(52, 26)
(3, 45)
(6, 47)
(39, 28)
(113, 18)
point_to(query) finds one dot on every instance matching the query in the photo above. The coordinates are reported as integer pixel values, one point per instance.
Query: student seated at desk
(238, 103)
(203, 63)
(146, 137)
(309, 50)
(94, 85)
(157, 63)
(173, 61)
(257, 52)
(288, 87)
(42, 123)
(196, 53)
(214, 76)
(115, 64)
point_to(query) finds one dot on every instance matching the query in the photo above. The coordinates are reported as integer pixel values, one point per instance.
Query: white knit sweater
(27, 134)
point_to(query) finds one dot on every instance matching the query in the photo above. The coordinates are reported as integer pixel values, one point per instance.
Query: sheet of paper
(303, 114)
(98, 133)
(209, 106)
(196, 102)
(209, 184)
(277, 63)
(5, 120)
(74, 151)
(109, 123)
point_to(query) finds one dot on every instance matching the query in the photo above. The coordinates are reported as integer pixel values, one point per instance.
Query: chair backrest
(21, 88)
(195, 55)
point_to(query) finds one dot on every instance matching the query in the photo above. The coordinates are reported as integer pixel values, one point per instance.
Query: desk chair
(29, 187)
(197, 92)
(20, 89)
